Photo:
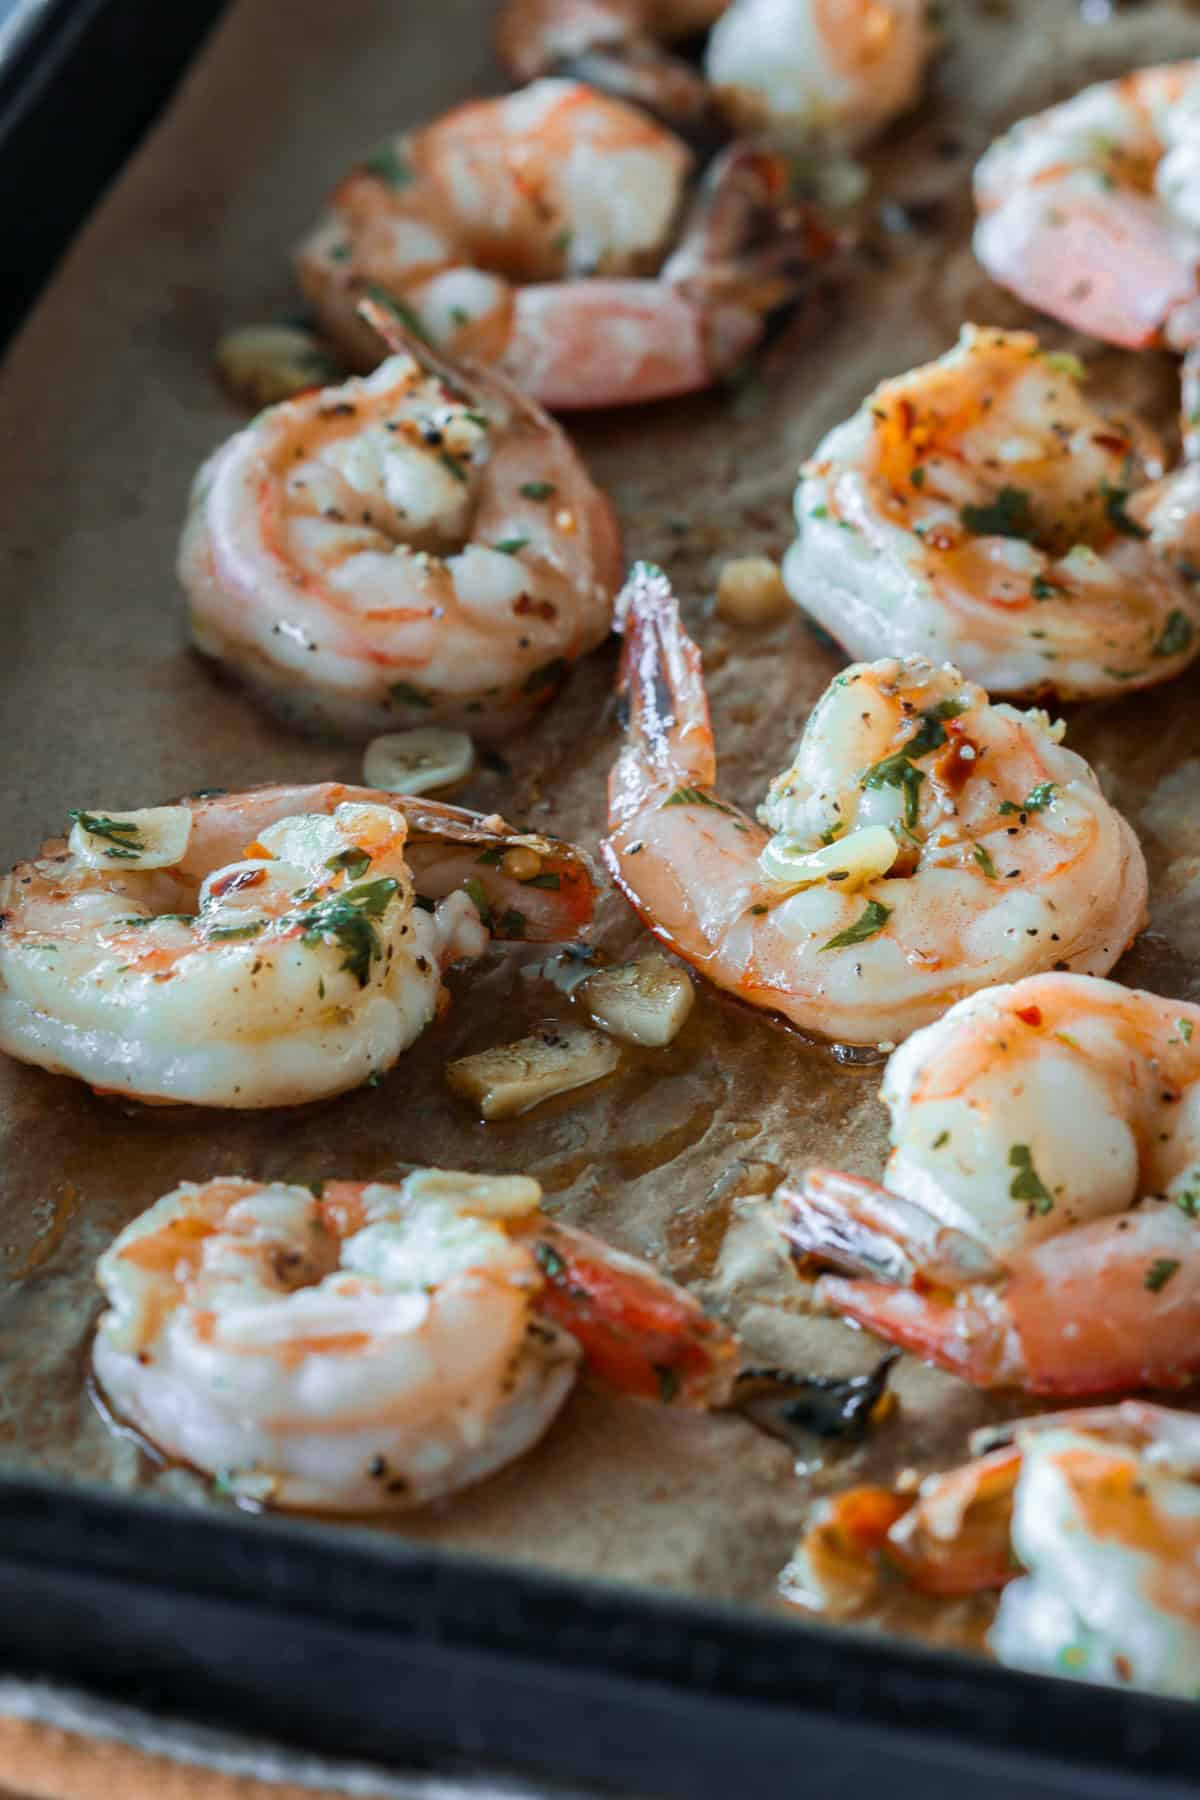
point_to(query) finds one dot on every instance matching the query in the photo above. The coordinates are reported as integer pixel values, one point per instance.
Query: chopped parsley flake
(1188, 1200)
(511, 546)
(1185, 1027)
(538, 490)
(389, 166)
(550, 1262)
(477, 894)
(898, 772)
(1037, 799)
(1114, 512)
(405, 694)
(235, 933)
(126, 837)
(1027, 1185)
(983, 858)
(1176, 637)
(870, 921)
(1160, 1272)
(1009, 515)
(346, 918)
(355, 862)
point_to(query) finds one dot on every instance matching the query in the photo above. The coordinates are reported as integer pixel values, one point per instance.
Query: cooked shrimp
(980, 510)
(1090, 1522)
(839, 68)
(926, 843)
(1038, 1229)
(789, 68)
(535, 231)
(264, 948)
(365, 1346)
(951, 1536)
(422, 544)
(1089, 210)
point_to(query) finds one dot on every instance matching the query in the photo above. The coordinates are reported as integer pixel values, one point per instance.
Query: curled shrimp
(980, 510)
(264, 948)
(1089, 1521)
(422, 544)
(926, 842)
(546, 232)
(795, 68)
(1038, 1228)
(1089, 210)
(787, 68)
(370, 1345)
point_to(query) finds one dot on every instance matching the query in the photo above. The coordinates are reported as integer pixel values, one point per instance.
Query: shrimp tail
(551, 898)
(957, 1331)
(605, 48)
(748, 248)
(661, 696)
(830, 1219)
(639, 1333)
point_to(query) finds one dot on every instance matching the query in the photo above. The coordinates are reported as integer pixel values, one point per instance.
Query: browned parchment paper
(108, 404)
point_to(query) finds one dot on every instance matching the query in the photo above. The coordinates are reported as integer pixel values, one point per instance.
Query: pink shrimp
(546, 232)
(1040, 1228)
(927, 842)
(1088, 210)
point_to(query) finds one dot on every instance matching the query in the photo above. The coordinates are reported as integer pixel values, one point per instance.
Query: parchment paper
(109, 403)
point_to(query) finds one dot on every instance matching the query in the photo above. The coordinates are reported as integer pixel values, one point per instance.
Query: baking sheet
(108, 404)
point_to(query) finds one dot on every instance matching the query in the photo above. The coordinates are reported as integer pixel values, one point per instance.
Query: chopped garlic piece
(414, 762)
(264, 364)
(515, 1077)
(750, 591)
(156, 837)
(858, 857)
(645, 1002)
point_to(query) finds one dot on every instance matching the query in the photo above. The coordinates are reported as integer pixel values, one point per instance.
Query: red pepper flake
(1032, 1015)
(236, 881)
(543, 609)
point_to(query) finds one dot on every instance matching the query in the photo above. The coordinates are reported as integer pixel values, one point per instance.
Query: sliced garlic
(414, 762)
(644, 1002)
(859, 857)
(515, 1077)
(750, 591)
(156, 837)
